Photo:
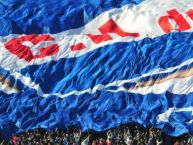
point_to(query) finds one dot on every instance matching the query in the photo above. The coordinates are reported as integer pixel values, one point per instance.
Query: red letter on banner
(78, 46)
(110, 27)
(99, 38)
(16, 47)
(190, 13)
(183, 25)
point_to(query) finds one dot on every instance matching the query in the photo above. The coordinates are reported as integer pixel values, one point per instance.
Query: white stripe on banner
(142, 19)
(27, 81)
(176, 86)
(164, 117)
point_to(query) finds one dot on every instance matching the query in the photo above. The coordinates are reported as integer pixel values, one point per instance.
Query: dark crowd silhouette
(124, 135)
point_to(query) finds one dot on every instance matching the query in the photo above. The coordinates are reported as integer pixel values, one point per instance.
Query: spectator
(152, 139)
(177, 143)
(77, 137)
(86, 141)
(190, 139)
(108, 141)
(15, 140)
(109, 135)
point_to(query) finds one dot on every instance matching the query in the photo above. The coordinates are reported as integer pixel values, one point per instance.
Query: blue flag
(96, 65)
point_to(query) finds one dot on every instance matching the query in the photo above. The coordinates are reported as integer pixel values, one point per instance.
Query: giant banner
(96, 64)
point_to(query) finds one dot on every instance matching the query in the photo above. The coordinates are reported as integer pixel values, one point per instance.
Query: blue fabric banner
(96, 65)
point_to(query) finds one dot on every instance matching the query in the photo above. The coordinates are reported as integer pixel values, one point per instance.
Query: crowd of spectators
(125, 135)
